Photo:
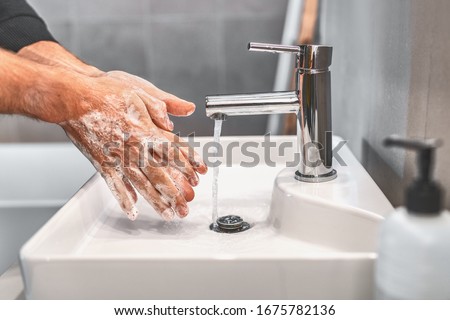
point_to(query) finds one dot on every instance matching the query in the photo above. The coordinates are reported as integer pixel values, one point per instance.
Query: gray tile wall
(188, 47)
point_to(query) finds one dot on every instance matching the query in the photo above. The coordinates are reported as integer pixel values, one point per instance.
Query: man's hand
(158, 102)
(115, 130)
(120, 122)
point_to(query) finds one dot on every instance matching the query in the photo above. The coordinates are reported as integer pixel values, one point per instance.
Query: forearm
(53, 54)
(34, 90)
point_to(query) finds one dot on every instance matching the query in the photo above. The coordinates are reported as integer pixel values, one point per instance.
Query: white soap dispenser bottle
(414, 242)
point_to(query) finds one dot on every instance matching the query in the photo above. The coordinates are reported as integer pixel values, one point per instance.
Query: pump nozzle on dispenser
(423, 196)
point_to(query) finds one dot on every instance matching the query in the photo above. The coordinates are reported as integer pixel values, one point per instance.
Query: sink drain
(229, 224)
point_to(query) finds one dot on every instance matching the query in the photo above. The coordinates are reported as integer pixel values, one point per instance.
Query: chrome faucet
(311, 102)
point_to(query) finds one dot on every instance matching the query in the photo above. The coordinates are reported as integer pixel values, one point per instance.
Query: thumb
(177, 106)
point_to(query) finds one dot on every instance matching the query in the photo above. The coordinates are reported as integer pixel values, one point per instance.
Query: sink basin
(308, 241)
(32, 189)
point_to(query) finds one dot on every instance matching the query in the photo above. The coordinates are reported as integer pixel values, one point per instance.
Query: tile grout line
(148, 39)
(222, 67)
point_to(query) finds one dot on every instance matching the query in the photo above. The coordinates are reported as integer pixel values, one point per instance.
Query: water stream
(215, 186)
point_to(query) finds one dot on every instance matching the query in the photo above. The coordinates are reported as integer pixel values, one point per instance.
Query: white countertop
(11, 284)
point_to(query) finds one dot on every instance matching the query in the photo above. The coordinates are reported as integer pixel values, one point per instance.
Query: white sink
(35, 181)
(317, 240)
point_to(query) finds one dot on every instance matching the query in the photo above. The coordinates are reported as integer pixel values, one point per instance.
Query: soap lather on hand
(120, 122)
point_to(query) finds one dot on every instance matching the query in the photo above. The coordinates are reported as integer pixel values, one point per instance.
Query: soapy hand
(157, 110)
(114, 128)
(120, 122)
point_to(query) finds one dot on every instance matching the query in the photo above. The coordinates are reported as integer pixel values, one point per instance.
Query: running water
(215, 186)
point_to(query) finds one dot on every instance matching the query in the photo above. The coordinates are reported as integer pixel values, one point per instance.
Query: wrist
(53, 54)
(53, 94)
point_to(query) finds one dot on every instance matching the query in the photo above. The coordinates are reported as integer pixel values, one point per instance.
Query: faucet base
(315, 179)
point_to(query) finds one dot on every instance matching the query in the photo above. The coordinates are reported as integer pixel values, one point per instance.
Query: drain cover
(230, 224)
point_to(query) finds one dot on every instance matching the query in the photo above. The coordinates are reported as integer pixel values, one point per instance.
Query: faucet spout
(220, 106)
(310, 101)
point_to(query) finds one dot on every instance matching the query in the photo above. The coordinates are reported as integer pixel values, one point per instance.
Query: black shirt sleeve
(20, 25)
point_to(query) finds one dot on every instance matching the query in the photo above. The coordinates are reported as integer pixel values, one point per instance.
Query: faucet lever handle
(309, 56)
(274, 48)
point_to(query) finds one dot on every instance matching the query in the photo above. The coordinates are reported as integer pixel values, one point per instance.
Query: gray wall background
(190, 48)
(390, 74)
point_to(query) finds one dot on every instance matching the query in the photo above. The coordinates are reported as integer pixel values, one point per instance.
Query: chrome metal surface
(218, 116)
(275, 48)
(309, 56)
(249, 104)
(319, 178)
(311, 101)
(230, 224)
(315, 58)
